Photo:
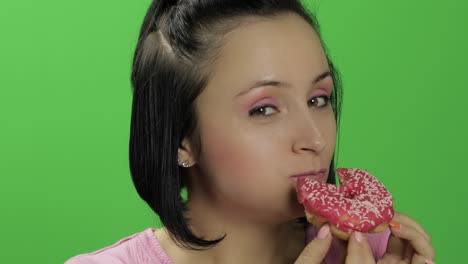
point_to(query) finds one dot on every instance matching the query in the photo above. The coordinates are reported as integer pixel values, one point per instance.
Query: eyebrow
(268, 82)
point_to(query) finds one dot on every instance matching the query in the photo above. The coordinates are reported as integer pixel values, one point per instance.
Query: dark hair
(178, 42)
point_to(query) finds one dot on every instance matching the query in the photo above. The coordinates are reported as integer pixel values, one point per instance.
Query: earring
(184, 163)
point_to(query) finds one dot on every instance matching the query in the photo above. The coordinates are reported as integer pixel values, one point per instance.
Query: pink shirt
(144, 248)
(141, 248)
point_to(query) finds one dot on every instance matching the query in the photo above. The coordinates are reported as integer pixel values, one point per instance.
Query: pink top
(141, 248)
(144, 248)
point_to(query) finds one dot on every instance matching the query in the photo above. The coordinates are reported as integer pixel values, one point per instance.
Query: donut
(360, 203)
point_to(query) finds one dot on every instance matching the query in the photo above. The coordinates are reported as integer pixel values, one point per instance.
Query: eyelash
(257, 111)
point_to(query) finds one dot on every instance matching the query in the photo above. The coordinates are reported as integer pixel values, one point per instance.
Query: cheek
(331, 131)
(329, 127)
(237, 161)
(240, 167)
(227, 153)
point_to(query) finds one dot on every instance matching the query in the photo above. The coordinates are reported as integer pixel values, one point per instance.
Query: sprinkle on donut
(361, 203)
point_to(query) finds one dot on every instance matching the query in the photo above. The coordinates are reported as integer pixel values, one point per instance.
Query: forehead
(285, 47)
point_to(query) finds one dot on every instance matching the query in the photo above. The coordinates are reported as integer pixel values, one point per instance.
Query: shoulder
(142, 247)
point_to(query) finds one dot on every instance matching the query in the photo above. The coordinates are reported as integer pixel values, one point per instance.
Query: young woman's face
(264, 116)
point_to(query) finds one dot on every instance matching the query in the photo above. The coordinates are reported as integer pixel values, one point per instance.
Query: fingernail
(395, 225)
(429, 262)
(358, 236)
(323, 232)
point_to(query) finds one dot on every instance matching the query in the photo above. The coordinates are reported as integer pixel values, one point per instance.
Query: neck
(246, 241)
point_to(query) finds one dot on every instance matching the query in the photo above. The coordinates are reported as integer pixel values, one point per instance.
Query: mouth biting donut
(361, 203)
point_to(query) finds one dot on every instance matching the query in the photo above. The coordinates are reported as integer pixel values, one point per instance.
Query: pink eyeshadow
(261, 102)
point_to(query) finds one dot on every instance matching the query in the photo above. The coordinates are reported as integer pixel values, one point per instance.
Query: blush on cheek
(222, 156)
(228, 155)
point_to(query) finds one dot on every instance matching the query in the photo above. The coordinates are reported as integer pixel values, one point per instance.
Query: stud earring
(184, 163)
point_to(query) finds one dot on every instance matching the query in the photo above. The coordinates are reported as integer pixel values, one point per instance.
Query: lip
(309, 173)
(318, 175)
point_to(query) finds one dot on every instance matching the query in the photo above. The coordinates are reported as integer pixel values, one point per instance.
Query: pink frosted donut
(361, 203)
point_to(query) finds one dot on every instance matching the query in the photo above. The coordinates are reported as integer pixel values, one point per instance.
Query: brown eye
(319, 101)
(264, 110)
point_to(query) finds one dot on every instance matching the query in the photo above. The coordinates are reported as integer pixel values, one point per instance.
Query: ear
(185, 156)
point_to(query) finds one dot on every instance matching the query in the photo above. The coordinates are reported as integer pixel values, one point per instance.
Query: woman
(232, 98)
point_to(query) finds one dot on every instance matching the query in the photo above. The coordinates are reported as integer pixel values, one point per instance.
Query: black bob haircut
(177, 44)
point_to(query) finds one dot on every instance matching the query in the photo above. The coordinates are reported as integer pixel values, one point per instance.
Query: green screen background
(65, 103)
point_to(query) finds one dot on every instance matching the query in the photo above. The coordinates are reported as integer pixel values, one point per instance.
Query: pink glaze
(362, 199)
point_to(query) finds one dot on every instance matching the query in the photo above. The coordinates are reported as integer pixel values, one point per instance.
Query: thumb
(317, 249)
(359, 250)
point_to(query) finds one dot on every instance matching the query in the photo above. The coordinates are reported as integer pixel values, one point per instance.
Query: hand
(358, 250)
(408, 243)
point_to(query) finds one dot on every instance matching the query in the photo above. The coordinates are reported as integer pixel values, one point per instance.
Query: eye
(319, 101)
(264, 110)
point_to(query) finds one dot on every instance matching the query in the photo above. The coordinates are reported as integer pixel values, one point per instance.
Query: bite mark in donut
(361, 203)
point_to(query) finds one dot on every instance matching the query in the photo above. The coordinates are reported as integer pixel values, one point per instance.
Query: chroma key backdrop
(65, 100)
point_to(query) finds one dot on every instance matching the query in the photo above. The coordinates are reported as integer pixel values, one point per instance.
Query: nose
(309, 137)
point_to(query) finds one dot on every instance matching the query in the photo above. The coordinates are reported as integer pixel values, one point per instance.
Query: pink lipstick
(318, 175)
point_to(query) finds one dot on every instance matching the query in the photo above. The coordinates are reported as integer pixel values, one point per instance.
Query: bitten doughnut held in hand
(361, 203)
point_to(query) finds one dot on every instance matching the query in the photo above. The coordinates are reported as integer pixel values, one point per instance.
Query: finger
(317, 249)
(395, 245)
(359, 250)
(408, 221)
(409, 253)
(395, 249)
(420, 244)
(417, 259)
